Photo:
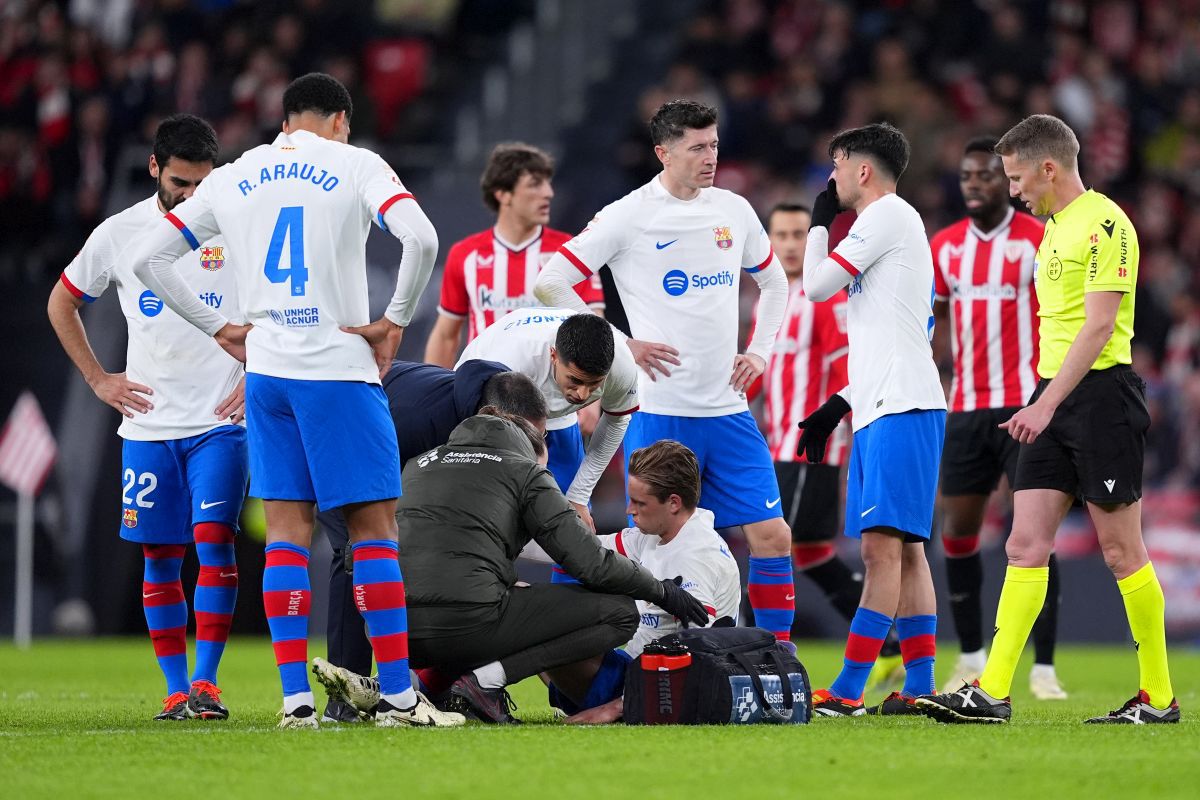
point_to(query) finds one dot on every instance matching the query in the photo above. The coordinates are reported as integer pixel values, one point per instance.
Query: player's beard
(165, 199)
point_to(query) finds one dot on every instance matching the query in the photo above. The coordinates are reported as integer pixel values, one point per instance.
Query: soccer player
(1083, 432)
(298, 212)
(983, 278)
(491, 273)
(426, 403)
(899, 409)
(576, 360)
(183, 466)
(676, 247)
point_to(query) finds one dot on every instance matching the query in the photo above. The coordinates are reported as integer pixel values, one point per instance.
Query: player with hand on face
(884, 263)
(184, 451)
(490, 273)
(676, 248)
(983, 268)
(300, 209)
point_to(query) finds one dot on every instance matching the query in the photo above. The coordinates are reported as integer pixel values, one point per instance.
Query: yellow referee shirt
(1089, 246)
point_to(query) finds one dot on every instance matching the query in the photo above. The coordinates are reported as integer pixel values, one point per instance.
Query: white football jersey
(890, 312)
(297, 212)
(521, 340)
(698, 555)
(189, 373)
(677, 265)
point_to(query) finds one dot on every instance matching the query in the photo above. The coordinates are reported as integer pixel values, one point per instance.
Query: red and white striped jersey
(988, 280)
(807, 366)
(486, 277)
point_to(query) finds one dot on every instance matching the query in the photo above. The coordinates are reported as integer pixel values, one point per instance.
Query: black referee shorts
(977, 451)
(1093, 448)
(809, 493)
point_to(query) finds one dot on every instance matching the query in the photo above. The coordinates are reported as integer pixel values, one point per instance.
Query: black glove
(819, 426)
(679, 603)
(825, 207)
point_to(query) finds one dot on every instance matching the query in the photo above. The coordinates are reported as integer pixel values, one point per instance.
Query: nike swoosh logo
(204, 505)
(663, 246)
(228, 574)
(152, 594)
(868, 511)
(773, 503)
(789, 597)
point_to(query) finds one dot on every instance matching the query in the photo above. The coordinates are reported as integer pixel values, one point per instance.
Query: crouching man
(468, 510)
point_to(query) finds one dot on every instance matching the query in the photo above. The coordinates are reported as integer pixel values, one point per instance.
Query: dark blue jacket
(427, 403)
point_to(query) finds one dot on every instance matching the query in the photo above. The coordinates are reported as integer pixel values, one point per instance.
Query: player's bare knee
(1027, 550)
(769, 538)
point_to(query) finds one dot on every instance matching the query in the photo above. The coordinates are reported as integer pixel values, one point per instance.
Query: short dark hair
(186, 137)
(981, 144)
(1041, 136)
(882, 142)
(515, 394)
(674, 118)
(668, 467)
(505, 166)
(523, 425)
(319, 93)
(585, 341)
(787, 208)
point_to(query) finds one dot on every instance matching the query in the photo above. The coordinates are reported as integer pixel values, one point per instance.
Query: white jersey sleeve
(90, 272)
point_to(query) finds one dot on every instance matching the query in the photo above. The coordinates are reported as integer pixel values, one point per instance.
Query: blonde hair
(1039, 137)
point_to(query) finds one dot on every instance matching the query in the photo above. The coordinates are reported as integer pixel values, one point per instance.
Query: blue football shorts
(332, 442)
(737, 476)
(893, 474)
(564, 447)
(168, 487)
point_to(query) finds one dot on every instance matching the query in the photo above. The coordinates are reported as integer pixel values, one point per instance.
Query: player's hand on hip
(584, 514)
(651, 356)
(123, 394)
(233, 407)
(384, 337)
(232, 339)
(746, 367)
(1028, 423)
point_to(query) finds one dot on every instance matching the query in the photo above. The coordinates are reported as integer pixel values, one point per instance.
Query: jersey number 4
(289, 229)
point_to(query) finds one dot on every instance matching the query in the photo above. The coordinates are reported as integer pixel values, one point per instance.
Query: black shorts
(1093, 447)
(809, 493)
(977, 451)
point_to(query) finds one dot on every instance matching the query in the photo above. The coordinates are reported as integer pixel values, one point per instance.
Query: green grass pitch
(75, 722)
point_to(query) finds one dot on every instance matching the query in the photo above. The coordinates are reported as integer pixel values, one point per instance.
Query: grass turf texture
(75, 719)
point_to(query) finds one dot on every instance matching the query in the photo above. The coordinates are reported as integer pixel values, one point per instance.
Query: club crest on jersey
(212, 258)
(724, 237)
(1013, 251)
(129, 520)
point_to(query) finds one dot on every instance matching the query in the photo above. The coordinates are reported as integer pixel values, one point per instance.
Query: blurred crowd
(787, 74)
(83, 80)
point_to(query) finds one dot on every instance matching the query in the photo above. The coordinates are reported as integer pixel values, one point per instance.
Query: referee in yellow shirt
(1084, 431)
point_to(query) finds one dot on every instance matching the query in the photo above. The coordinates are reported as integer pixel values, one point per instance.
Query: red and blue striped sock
(166, 612)
(379, 595)
(286, 598)
(216, 595)
(772, 594)
(868, 629)
(918, 646)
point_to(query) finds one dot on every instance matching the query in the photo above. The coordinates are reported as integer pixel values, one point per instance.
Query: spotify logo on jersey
(675, 282)
(150, 304)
